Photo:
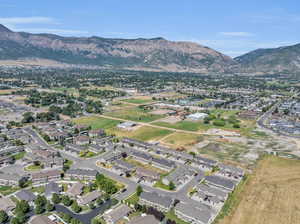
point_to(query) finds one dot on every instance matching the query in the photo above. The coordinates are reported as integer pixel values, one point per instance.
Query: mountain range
(156, 54)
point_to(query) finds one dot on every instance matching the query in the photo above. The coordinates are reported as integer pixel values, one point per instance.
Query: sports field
(271, 195)
(134, 114)
(96, 122)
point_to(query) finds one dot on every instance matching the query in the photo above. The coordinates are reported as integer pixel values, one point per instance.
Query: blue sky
(232, 27)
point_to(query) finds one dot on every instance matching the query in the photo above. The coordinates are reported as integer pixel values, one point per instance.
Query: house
(110, 156)
(97, 133)
(46, 176)
(221, 182)
(51, 188)
(90, 197)
(179, 176)
(6, 204)
(41, 219)
(153, 199)
(128, 125)
(230, 171)
(74, 149)
(192, 214)
(148, 219)
(82, 140)
(136, 144)
(147, 175)
(76, 190)
(10, 179)
(113, 216)
(49, 158)
(25, 195)
(162, 163)
(82, 174)
(197, 116)
(127, 167)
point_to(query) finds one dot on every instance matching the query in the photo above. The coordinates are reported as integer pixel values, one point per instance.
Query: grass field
(141, 100)
(134, 114)
(182, 125)
(96, 122)
(144, 133)
(182, 139)
(271, 195)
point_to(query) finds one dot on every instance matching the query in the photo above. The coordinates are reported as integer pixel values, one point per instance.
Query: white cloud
(12, 21)
(236, 34)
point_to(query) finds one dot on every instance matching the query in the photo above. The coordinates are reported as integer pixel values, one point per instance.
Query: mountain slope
(275, 60)
(144, 54)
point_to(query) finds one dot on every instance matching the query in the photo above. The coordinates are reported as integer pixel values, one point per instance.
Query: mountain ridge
(144, 54)
(152, 54)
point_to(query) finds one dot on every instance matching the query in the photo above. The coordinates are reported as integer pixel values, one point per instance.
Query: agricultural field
(96, 122)
(144, 133)
(270, 195)
(134, 114)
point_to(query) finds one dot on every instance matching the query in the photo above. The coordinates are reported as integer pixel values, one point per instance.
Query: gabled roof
(26, 195)
(157, 199)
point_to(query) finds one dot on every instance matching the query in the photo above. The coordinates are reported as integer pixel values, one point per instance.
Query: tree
(66, 217)
(92, 205)
(96, 221)
(28, 117)
(75, 207)
(40, 201)
(49, 206)
(3, 216)
(75, 221)
(39, 209)
(99, 201)
(22, 207)
(139, 190)
(66, 200)
(22, 182)
(14, 220)
(55, 198)
(172, 186)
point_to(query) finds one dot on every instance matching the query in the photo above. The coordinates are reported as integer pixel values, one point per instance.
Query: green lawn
(134, 114)
(138, 100)
(96, 122)
(6, 190)
(19, 155)
(40, 189)
(33, 168)
(133, 199)
(171, 215)
(183, 125)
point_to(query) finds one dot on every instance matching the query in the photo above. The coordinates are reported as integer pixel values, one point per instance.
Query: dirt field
(271, 195)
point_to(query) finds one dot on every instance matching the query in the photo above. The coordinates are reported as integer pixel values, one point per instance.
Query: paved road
(131, 186)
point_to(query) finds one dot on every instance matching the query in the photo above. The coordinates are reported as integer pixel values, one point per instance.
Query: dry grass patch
(182, 139)
(270, 196)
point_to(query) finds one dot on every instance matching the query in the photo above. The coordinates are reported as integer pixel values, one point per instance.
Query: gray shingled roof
(203, 215)
(51, 188)
(219, 181)
(84, 172)
(157, 199)
(26, 195)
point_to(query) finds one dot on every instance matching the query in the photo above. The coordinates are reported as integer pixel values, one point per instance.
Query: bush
(219, 123)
